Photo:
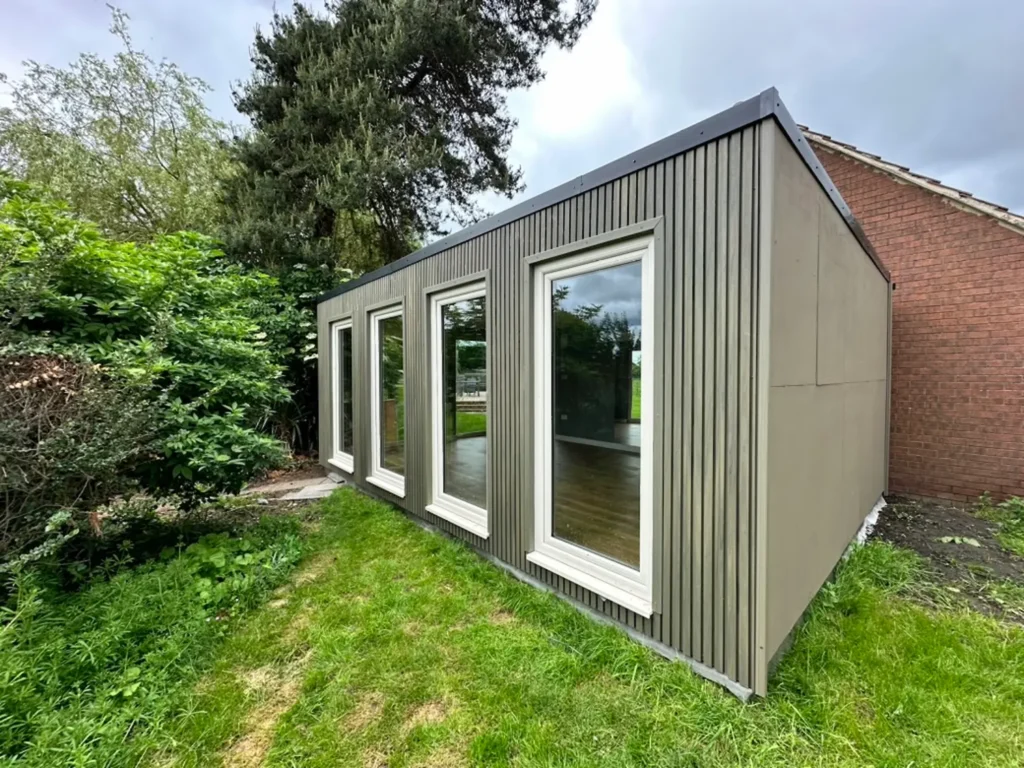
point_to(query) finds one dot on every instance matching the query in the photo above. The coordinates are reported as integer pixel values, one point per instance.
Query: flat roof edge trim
(766, 104)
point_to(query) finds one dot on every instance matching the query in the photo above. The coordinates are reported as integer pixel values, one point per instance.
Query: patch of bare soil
(502, 617)
(316, 568)
(367, 710)
(945, 534)
(281, 688)
(298, 626)
(299, 468)
(427, 714)
(281, 482)
(258, 680)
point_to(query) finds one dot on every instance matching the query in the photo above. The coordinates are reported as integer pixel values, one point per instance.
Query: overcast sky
(936, 85)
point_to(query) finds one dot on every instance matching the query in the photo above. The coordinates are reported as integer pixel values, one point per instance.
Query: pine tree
(375, 122)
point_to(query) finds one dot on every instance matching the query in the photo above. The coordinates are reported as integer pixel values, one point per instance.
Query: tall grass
(84, 676)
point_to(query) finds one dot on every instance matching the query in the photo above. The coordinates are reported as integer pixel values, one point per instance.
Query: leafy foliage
(82, 673)
(594, 367)
(374, 122)
(128, 143)
(296, 419)
(69, 435)
(172, 317)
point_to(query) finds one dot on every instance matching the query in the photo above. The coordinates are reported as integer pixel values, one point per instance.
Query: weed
(1009, 515)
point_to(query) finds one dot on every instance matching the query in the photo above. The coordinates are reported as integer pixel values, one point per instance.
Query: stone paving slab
(287, 485)
(318, 490)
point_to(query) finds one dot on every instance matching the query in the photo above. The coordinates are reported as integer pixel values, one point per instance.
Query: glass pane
(464, 360)
(596, 430)
(392, 395)
(344, 361)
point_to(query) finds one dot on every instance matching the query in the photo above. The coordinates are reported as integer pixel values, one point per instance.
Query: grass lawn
(396, 647)
(635, 414)
(469, 423)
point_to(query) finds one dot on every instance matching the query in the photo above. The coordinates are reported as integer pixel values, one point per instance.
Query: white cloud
(591, 95)
(583, 86)
(939, 92)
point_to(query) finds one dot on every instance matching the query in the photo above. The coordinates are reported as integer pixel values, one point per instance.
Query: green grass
(470, 423)
(410, 650)
(89, 678)
(398, 647)
(635, 414)
(1009, 515)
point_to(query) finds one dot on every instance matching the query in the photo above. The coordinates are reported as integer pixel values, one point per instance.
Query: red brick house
(957, 402)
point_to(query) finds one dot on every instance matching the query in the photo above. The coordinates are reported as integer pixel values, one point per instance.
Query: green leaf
(959, 540)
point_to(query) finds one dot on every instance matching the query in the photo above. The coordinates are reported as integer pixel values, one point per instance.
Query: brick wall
(957, 418)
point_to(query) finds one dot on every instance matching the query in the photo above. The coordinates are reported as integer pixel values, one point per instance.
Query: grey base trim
(739, 691)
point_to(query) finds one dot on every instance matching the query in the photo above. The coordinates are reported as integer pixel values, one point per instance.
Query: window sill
(642, 606)
(392, 487)
(344, 463)
(460, 519)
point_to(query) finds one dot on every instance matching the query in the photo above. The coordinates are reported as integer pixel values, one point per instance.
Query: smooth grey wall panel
(706, 203)
(827, 401)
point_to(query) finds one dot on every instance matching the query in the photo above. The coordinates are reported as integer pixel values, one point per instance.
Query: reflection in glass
(343, 356)
(392, 395)
(596, 430)
(464, 360)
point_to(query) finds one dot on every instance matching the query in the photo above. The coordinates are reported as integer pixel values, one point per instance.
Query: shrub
(69, 433)
(171, 316)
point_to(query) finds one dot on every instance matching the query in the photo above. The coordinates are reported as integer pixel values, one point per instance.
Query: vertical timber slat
(706, 411)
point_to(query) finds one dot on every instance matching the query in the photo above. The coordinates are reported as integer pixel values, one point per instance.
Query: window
(388, 401)
(459, 412)
(341, 399)
(593, 514)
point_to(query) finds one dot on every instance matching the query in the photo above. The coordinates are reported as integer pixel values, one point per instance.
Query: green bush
(69, 434)
(172, 317)
(82, 673)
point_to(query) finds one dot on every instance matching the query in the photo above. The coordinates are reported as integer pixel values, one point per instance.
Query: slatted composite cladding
(709, 389)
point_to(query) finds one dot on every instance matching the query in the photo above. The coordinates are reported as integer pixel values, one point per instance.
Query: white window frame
(383, 478)
(458, 511)
(346, 462)
(629, 587)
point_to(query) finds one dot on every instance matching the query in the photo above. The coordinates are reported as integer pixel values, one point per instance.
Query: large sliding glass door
(593, 509)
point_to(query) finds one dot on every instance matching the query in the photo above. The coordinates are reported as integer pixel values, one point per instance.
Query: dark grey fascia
(765, 104)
